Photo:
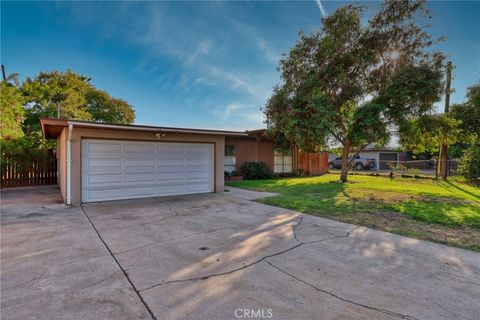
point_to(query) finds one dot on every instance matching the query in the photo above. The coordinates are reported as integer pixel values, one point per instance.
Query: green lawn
(441, 211)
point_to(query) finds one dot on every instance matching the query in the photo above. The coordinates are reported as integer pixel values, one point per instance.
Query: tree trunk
(345, 164)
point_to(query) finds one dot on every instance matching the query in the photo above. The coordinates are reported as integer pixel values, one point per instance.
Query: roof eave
(61, 123)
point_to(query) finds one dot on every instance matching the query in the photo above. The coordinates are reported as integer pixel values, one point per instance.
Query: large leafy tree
(75, 98)
(351, 84)
(72, 94)
(11, 111)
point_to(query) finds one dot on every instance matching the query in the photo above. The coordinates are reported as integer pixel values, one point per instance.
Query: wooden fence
(17, 171)
(313, 163)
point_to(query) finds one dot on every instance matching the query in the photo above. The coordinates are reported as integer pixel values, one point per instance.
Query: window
(230, 160)
(282, 161)
(230, 150)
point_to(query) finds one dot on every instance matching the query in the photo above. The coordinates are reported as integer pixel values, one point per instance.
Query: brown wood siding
(251, 150)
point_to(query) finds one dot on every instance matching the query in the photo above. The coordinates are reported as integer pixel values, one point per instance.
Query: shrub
(469, 165)
(413, 171)
(256, 170)
(397, 167)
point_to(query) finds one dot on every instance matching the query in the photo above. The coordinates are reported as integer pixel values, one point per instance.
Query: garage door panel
(197, 169)
(171, 161)
(170, 190)
(139, 148)
(140, 155)
(198, 175)
(171, 183)
(180, 175)
(104, 194)
(139, 191)
(126, 169)
(129, 163)
(386, 159)
(104, 148)
(169, 148)
(171, 168)
(197, 148)
(96, 179)
(198, 162)
(197, 187)
(140, 177)
(102, 163)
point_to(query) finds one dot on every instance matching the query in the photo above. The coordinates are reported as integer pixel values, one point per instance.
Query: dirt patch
(395, 197)
(368, 195)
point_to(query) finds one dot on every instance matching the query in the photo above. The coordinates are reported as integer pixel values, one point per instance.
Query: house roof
(52, 128)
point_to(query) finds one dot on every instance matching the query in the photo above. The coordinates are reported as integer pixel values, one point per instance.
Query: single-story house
(382, 156)
(100, 161)
(257, 147)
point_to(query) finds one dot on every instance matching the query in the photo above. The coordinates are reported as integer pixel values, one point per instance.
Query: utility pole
(4, 74)
(444, 146)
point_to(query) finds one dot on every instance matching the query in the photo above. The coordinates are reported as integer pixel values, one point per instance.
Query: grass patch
(442, 211)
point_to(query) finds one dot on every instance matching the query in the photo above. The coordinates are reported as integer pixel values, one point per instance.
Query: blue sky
(194, 64)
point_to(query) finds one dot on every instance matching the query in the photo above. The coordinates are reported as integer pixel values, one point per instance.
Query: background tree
(470, 164)
(76, 98)
(467, 146)
(349, 84)
(468, 113)
(11, 111)
(425, 134)
(22, 104)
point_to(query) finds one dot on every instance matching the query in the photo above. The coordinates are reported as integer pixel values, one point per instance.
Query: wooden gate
(313, 163)
(18, 171)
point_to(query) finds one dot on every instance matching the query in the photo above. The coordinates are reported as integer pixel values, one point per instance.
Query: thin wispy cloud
(237, 110)
(322, 9)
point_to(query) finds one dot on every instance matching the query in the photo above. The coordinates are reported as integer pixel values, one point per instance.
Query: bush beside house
(256, 171)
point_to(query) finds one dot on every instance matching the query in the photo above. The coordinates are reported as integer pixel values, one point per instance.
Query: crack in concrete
(222, 273)
(321, 240)
(388, 312)
(300, 221)
(253, 263)
(120, 267)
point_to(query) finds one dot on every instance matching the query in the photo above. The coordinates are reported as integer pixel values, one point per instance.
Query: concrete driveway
(217, 256)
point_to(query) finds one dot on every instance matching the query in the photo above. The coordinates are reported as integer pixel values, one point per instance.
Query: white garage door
(114, 170)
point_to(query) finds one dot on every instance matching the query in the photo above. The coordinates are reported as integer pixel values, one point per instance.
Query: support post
(69, 165)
